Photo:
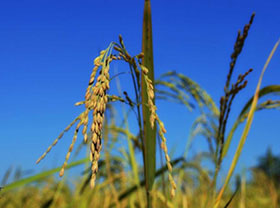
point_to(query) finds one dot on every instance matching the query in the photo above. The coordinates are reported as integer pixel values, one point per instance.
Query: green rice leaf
(268, 90)
(149, 133)
(41, 175)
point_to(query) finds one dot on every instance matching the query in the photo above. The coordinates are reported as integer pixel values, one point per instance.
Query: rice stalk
(108, 169)
(129, 136)
(246, 129)
(230, 93)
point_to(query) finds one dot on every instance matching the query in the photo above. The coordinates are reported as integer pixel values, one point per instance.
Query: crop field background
(140, 104)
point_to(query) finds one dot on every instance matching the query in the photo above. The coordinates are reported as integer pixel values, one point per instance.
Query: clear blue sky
(47, 50)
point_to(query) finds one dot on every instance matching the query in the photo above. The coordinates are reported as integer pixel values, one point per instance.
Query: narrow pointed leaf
(41, 175)
(149, 133)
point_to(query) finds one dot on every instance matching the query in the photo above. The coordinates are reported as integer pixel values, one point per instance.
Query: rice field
(115, 176)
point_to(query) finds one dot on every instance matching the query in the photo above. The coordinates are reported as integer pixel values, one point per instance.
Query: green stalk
(132, 158)
(149, 133)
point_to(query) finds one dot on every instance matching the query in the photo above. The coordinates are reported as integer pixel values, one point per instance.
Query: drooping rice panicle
(58, 138)
(70, 149)
(95, 100)
(100, 99)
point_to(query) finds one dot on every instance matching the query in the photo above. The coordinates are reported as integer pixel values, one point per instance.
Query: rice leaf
(268, 90)
(41, 175)
(149, 133)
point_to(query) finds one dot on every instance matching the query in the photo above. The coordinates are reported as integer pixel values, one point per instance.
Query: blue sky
(48, 47)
